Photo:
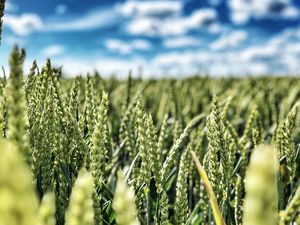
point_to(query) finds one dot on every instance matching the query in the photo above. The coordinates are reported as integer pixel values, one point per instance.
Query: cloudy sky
(159, 38)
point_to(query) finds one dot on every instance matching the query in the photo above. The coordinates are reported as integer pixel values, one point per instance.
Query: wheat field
(95, 151)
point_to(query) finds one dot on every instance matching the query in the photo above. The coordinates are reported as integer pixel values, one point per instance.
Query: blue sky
(161, 37)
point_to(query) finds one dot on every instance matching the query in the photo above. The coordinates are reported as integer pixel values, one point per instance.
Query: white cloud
(184, 62)
(141, 44)
(289, 35)
(202, 17)
(280, 46)
(28, 23)
(215, 2)
(117, 45)
(148, 26)
(23, 24)
(61, 9)
(207, 62)
(260, 53)
(205, 18)
(119, 67)
(181, 42)
(229, 40)
(293, 49)
(73, 66)
(280, 55)
(53, 51)
(123, 47)
(98, 18)
(146, 18)
(244, 10)
(11, 7)
(160, 8)
(13, 39)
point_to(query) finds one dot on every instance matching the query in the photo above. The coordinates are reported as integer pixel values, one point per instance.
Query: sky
(156, 38)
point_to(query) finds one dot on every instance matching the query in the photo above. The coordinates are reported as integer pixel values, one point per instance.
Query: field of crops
(94, 151)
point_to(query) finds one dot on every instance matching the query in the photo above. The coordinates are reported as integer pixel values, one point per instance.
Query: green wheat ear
(47, 210)
(99, 142)
(174, 151)
(123, 203)
(18, 202)
(164, 209)
(217, 146)
(17, 114)
(144, 150)
(285, 144)
(80, 211)
(261, 192)
(181, 201)
(238, 206)
(2, 7)
(155, 159)
(291, 210)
